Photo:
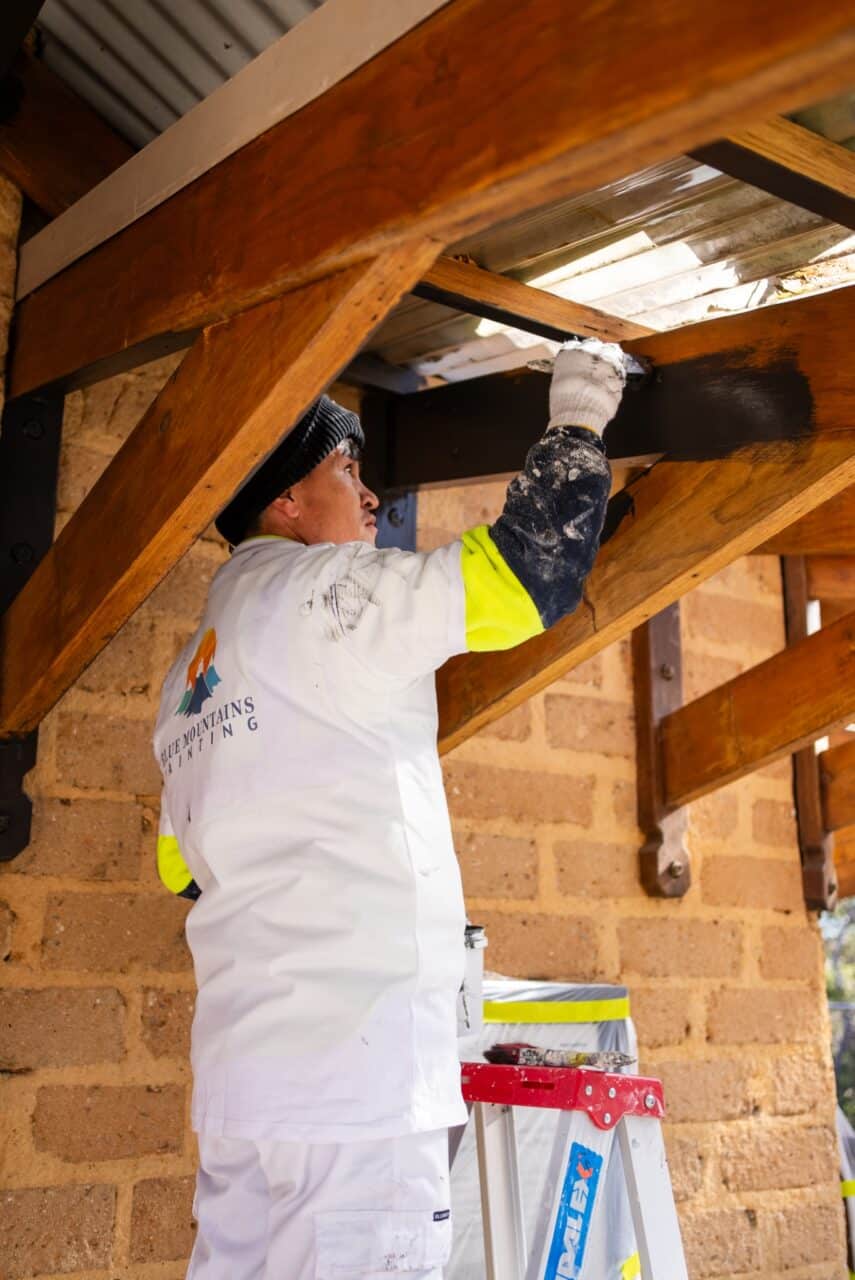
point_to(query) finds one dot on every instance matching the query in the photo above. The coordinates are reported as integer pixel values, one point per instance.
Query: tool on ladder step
(596, 1106)
(531, 1055)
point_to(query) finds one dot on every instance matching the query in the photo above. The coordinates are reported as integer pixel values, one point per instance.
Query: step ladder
(596, 1107)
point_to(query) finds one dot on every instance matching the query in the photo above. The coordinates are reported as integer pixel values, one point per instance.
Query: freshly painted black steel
(778, 180)
(488, 311)
(29, 463)
(695, 410)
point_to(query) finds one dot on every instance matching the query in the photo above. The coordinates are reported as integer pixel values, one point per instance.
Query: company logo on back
(202, 676)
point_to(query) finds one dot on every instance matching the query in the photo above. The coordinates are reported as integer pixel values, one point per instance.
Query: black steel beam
(17, 18)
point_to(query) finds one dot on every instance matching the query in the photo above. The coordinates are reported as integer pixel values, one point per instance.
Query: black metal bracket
(658, 690)
(816, 844)
(29, 464)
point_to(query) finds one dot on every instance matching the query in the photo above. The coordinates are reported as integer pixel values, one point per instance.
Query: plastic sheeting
(553, 1015)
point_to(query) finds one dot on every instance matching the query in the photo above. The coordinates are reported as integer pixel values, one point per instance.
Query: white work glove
(587, 384)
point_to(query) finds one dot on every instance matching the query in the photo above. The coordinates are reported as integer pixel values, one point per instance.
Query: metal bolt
(5, 823)
(675, 869)
(607, 1118)
(589, 1089)
(666, 671)
(33, 429)
(22, 553)
(395, 518)
(613, 1092)
(649, 1101)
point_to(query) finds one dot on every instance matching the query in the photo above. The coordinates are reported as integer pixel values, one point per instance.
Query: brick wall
(96, 1159)
(726, 984)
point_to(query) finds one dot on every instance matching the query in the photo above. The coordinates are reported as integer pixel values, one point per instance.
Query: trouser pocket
(359, 1242)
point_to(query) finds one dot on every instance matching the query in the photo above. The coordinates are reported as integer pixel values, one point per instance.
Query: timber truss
(273, 259)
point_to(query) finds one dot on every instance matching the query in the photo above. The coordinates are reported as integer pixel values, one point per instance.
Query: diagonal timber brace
(214, 422)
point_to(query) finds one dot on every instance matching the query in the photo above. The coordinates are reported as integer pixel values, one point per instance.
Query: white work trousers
(322, 1211)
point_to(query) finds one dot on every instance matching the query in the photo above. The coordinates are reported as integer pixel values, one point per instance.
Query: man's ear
(287, 505)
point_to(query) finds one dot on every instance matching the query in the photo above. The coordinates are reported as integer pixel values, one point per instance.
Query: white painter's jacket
(303, 806)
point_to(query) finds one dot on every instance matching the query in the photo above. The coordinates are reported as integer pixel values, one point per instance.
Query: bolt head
(666, 671)
(5, 823)
(649, 1101)
(607, 1118)
(33, 429)
(613, 1092)
(396, 519)
(589, 1089)
(675, 869)
(22, 553)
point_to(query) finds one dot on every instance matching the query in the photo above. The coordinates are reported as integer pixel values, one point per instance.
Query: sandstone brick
(720, 1242)
(686, 1163)
(480, 791)
(59, 1027)
(592, 870)
(725, 620)
(497, 866)
(661, 1015)
(716, 814)
(805, 1233)
(704, 1089)
(126, 665)
(115, 932)
(513, 727)
(7, 920)
(590, 673)
(749, 1016)
(701, 672)
(184, 590)
(624, 803)
(166, 1021)
(753, 882)
(801, 1082)
(661, 948)
(790, 953)
(53, 1230)
(774, 822)
(589, 724)
(532, 945)
(84, 839)
(108, 1122)
(106, 754)
(162, 1228)
(778, 1156)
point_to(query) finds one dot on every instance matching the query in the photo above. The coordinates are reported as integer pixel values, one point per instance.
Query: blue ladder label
(578, 1196)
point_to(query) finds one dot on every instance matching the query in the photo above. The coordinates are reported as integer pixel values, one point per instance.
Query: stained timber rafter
(427, 119)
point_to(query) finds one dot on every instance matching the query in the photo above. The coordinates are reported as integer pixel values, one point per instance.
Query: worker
(303, 811)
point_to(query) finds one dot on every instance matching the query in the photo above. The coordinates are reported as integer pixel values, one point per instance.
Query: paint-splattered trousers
(323, 1211)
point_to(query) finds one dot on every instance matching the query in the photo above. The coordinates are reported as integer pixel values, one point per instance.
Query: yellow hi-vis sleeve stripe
(171, 867)
(631, 1269)
(609, 1010)
(847, 1187)
(499, 611)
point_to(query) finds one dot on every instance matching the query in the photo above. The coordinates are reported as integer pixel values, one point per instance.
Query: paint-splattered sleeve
(529, 568)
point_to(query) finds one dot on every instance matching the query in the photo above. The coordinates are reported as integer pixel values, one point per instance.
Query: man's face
(332, 504)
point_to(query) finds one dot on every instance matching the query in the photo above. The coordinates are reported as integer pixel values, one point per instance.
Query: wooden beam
(770, 711)
(469, 288)
(417, 142)
(215, 420)
(52, 144)
(829, 530)
(831, 578)
(837, 776)
(690, 519)
(844, 861)
(790, 162)
(328, 45)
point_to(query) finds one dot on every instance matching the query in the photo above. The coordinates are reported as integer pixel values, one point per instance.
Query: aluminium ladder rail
(596, 1106)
